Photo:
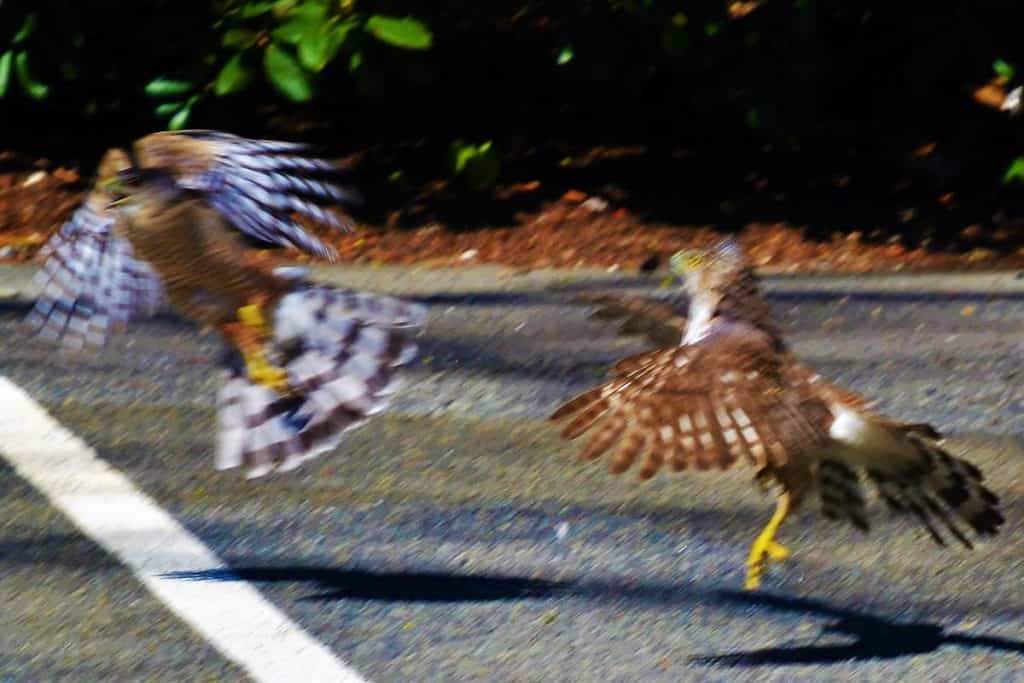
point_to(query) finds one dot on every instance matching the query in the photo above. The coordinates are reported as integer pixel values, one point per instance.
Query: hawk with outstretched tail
(725, 389)
(167, 225)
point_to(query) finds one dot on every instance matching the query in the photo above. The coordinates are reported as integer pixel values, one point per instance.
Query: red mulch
(573, 231)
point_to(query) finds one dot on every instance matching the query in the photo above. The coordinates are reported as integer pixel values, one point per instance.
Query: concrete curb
(16, 281)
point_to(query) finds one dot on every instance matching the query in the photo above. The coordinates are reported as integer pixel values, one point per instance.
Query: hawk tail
(940, 489)
(841, 493)
(341, 351)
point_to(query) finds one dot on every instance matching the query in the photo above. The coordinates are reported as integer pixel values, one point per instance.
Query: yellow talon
(765, 547)
(262, 372)
(776, 551)
(257, 365)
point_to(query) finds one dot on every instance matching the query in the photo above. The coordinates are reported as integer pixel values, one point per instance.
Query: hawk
(167, 226)
(725, 389)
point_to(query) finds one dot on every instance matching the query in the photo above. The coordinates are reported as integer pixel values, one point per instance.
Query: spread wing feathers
(90, 281)
(662, 323)
(342, 351)
(256, 184)
(696, 406)
(939, 489)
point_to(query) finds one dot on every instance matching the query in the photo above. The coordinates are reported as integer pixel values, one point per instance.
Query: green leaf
(286, 75)
(284, 7)
(255, 9)
(339, 36)
(565, 55)
(1003, 69)
(234, 77)
(482, 169)
(180, 119)
(407, 33)
(308, 23)
(477, 164)
(168, 108)
(310, 11)
(321, 45)
(355, 61)
(5, 71)
(462, 158)
(238, 38)
(1015, 173)
(292, 32)
(314, 50)
(36, 91)
(27, 27)
(164, 87)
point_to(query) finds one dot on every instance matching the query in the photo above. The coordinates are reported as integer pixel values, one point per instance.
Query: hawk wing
(661, 322)
(664, 325)
(705, 405)
(255, 184)
(90, 280)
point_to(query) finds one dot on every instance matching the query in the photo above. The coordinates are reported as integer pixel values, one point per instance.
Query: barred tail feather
(342, 351)
(842, 497)
(941, 490)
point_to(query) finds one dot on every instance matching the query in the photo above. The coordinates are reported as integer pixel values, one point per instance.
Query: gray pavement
(456, 539)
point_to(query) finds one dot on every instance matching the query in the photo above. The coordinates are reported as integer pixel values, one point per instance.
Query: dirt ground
(574, 229)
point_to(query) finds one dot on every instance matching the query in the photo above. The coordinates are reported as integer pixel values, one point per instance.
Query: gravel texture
(456, 539)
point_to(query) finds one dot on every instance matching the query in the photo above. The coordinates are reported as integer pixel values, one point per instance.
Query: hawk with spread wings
(724, 389)
(167, 226)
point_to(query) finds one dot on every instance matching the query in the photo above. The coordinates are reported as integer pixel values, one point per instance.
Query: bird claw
(261, 371)
(250, 340)
(764, 549)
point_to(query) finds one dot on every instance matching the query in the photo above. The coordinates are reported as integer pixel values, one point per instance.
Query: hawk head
(706, 271)
(133, 189)
(112, 163)
(723, 288)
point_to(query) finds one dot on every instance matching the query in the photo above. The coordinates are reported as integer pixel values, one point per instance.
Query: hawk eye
(685, 261)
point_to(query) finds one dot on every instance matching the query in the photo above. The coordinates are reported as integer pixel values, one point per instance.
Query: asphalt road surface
(454, 538)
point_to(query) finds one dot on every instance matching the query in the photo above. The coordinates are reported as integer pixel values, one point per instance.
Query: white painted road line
(105, 505)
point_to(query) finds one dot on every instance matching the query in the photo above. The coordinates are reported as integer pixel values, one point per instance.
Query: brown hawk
(725, 389)
(168, 225)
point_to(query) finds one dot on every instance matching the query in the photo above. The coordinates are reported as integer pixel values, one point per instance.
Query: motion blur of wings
(661, 322)
(728, 391)
(167, 226)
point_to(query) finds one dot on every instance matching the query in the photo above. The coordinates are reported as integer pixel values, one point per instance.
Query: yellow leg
(765, 547)
(250, 340)
(252, 315)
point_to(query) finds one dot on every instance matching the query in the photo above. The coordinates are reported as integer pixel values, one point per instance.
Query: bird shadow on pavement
(414, 586)
(866, 636)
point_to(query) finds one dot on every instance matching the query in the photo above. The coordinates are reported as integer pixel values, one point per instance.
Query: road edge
(17, 281)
